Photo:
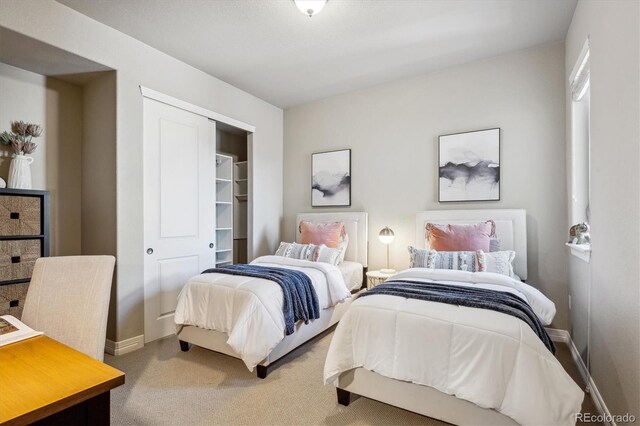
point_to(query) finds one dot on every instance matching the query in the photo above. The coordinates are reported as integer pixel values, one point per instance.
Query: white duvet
(491, 359)
(249, 309)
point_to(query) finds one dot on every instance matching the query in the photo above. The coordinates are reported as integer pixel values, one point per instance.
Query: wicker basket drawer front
(19, 215)
(10, 293)
(17, 258)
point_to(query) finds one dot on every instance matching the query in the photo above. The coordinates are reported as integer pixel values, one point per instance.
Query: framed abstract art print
(469, 166)
(331, 179)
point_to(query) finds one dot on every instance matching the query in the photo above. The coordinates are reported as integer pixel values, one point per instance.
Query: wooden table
(45, 382)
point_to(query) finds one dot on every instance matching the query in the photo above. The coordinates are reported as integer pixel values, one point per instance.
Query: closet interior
(232, 190)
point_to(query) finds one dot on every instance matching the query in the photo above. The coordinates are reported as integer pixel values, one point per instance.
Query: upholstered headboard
(357, 229)
(511, 229)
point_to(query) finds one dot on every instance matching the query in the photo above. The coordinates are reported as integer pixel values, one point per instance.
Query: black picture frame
(459, 172)
(331, 178)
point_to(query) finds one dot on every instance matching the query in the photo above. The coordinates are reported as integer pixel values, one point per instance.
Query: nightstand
(376, 277)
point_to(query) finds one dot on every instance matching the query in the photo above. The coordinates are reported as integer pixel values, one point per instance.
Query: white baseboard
(124, 346)
(563, 336)
(593, 389)
(558, 335)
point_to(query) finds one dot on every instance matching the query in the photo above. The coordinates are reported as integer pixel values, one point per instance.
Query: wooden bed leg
(344, 397)
(262, 371)
(184, 346)
(364, 278)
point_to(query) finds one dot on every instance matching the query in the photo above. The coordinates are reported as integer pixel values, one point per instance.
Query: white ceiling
(270, 49)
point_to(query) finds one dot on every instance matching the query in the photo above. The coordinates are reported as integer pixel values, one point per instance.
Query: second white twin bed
(461, 364)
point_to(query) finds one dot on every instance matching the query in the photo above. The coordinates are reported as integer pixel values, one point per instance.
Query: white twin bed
(242, 317)
(459, 364)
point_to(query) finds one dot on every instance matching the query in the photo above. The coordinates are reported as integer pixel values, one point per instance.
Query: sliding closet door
(179, 208)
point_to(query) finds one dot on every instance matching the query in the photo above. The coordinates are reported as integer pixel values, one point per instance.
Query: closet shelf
(223, 251)
(242, 180)
(222, 180)
(223, 202)
(224, 229)
(241, 197)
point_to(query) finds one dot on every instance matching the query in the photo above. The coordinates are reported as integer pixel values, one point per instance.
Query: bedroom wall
(99, 221)
(392, 130)
(138, 64)
(613, 31)
(57, 106)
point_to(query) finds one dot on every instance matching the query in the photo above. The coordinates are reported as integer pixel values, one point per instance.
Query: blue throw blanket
(300, 298)
(506, 303)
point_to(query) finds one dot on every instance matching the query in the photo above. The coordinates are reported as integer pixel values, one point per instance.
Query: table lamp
(386, 235)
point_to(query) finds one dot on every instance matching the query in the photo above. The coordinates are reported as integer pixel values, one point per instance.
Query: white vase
(20, 172)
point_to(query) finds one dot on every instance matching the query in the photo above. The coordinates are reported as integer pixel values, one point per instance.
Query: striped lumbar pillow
(454, 260)
(310, 252)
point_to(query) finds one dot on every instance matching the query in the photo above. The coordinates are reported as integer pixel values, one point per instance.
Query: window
(580, 121)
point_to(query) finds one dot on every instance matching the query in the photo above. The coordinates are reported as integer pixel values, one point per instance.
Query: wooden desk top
(40, 377)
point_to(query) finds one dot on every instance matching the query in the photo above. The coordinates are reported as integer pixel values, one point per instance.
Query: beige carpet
(165, 386)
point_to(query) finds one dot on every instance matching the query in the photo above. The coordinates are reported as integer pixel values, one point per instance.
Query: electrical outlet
(569, 302)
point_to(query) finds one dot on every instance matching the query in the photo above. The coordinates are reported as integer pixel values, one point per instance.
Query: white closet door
(179, 208)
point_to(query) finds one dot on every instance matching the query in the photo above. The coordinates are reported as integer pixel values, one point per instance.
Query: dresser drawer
(12, 299)
(19, 215)
(17, 258)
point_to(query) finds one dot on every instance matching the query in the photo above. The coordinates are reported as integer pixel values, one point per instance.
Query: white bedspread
(249, 309)
(491, 359)
(352, 272)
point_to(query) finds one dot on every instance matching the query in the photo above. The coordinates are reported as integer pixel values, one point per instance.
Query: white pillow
(328, 255)
(343, 248)
(284, 249)
(499, 262)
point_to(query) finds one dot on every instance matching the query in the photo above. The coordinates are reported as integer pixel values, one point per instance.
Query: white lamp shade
(386, 235)
(310, 7)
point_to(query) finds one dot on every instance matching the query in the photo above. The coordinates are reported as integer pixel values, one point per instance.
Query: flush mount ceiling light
(310, 7)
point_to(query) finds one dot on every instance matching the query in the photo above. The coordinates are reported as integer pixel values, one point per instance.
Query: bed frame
(511, 228)
(357, 228)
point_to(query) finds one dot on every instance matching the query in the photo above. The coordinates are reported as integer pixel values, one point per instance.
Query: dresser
(24, 237)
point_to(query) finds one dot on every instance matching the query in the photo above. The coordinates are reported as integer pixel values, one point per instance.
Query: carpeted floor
(165, 386)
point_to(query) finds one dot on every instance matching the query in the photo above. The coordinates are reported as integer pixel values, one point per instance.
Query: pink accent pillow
(461, 237)
(331, 234)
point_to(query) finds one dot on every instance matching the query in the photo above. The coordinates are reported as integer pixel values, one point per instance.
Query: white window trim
(579, 78)
(581, 251)
(579, 81)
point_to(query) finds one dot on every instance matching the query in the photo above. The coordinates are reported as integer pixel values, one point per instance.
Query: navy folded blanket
(300, 297)
(506, 303)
